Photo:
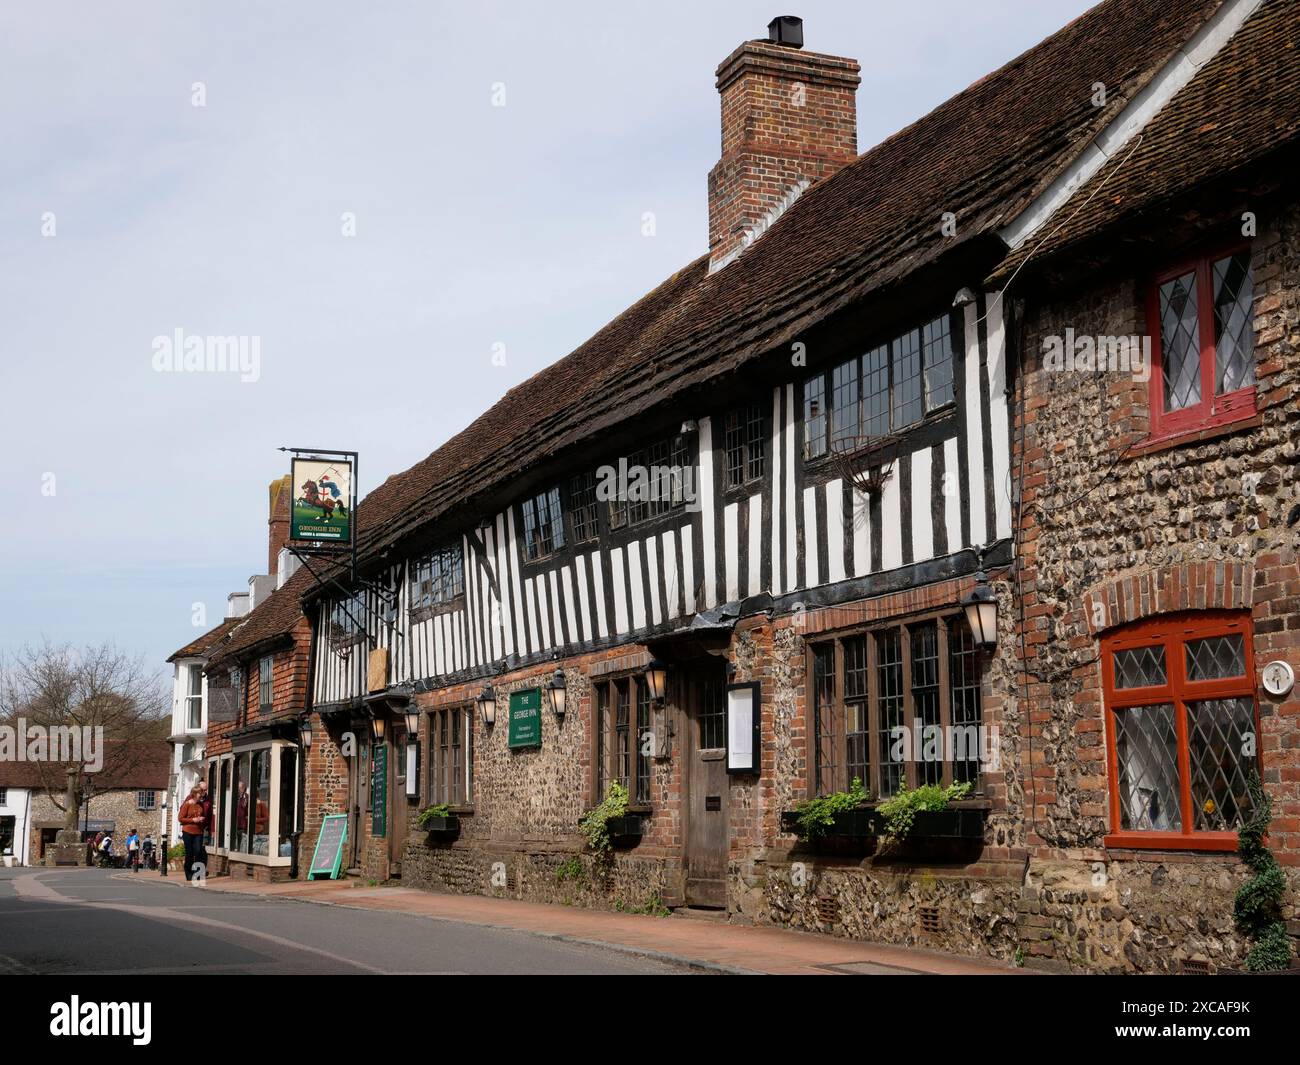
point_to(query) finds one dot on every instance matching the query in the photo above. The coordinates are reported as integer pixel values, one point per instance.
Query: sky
(408, 207)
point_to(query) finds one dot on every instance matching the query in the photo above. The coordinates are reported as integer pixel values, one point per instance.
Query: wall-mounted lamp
(981, 606)
(412, 720)
(557, 693)
(304, 732)
(656, 680)
(487, 705)
(379, 725)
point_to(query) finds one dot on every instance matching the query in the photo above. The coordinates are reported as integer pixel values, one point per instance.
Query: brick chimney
(789, 119)
(280, 493)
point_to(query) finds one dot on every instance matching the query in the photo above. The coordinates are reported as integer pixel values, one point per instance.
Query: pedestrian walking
(133, 850)
(191, 819)
(205, 801)
(106, 850)
(147, 851)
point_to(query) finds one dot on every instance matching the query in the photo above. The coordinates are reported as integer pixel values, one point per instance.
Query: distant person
(133, 850)
(147, 850)
(106, 850)
(191, 819)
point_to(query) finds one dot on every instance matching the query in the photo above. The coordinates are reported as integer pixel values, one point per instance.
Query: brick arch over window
(1184, 586)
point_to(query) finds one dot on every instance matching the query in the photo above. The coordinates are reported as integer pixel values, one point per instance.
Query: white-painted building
(15, 815)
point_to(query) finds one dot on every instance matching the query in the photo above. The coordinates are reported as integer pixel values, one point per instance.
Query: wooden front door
(704, 703)
(358, 794)
(399, 806)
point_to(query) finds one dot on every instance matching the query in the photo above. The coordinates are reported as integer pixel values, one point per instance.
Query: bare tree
(65, 691)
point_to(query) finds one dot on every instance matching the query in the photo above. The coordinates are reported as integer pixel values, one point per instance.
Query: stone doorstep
(708, 945)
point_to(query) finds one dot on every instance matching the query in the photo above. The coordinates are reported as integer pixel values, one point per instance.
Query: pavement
(701, 944)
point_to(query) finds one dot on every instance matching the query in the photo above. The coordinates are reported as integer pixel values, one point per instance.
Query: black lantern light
(379, 725)
(557, 692)
(412, 720)
(656, 679)
(981, 606)
(304, 732)
(487, 705)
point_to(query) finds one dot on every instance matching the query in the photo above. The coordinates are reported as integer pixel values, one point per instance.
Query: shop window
(543, 524)
(223, 801)
(240, 815)
(1181, 733)
(213, 797)
(288, 799)
(897, 705)
(8, 825)
(1203, 344)
(451, 751)
(622, 731)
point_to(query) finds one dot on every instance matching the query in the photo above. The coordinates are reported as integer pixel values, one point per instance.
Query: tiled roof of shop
(273, 617)
(199, 647)
(1240, 107)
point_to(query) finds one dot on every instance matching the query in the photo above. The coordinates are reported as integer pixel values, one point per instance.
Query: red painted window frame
(1212, 411)
(1172, 632)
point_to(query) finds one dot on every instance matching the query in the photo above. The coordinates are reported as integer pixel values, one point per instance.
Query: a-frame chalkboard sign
(328, 856)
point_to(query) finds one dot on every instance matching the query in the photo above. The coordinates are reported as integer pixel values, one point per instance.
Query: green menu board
(379, 790)
(526, 718)
(328, 856)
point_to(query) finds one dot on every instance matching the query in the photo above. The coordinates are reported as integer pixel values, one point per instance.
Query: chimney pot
(786, 30)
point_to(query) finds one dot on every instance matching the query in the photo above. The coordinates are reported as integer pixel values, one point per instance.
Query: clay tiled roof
(198, 648)
(146, 766)
(1242, 106)
(983, 155)
(272, 618)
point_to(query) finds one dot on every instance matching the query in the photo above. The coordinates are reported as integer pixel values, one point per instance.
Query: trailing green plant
(595, 823)
(570, 870)
(177, 850)
(429, 813)
(652, 907)
(1257, 909)
(815, 816)
(900, 810)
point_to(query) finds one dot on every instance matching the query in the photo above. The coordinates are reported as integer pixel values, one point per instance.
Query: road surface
(99, 921)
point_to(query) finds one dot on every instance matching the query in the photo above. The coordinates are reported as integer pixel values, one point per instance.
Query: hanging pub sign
(743, 718)
(323, 498)
(526, 718)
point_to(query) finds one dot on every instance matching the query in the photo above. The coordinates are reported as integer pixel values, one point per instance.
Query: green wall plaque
(526, 718)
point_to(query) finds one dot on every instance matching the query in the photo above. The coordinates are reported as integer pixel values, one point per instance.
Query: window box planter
(626, 830)
(442, 826)
(952, 823)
